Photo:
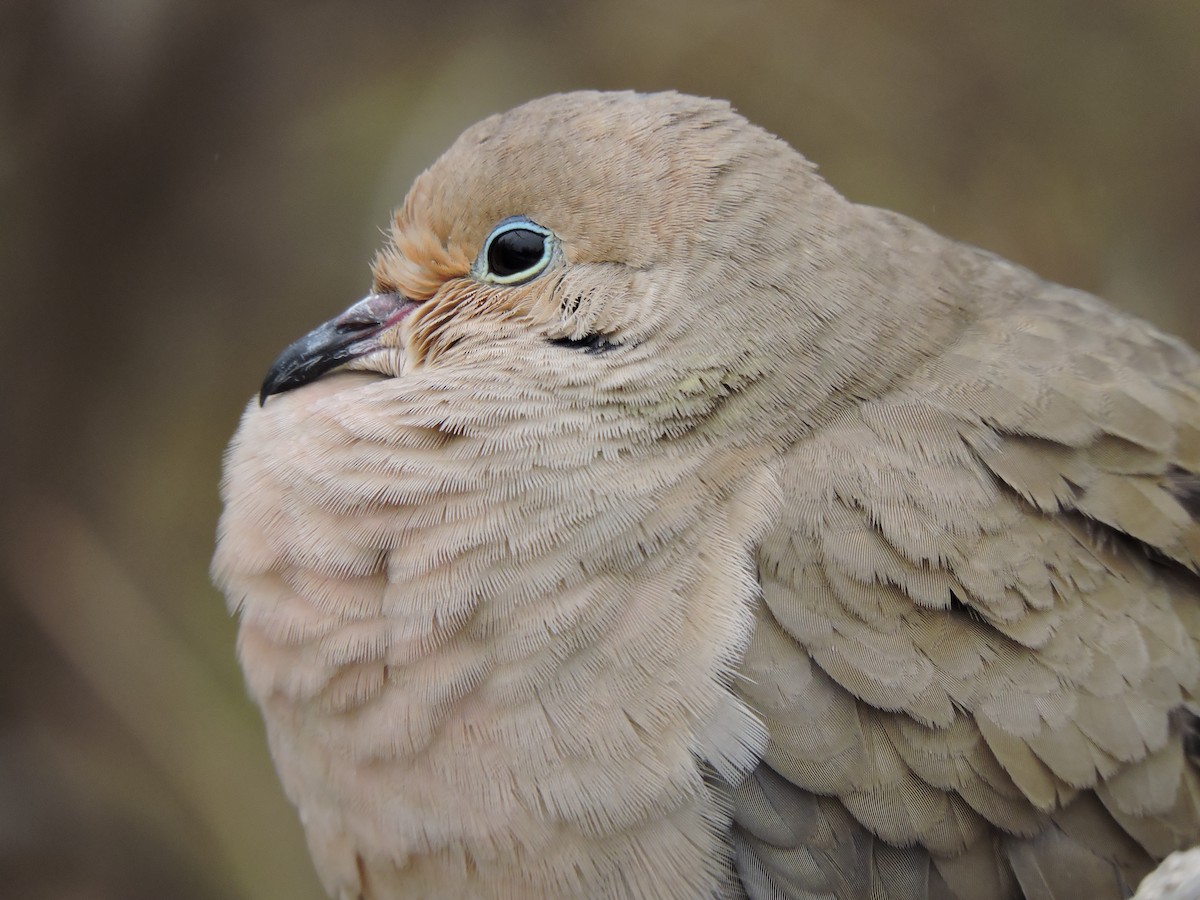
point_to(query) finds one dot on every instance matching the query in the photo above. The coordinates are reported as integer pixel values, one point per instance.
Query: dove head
(656, 255)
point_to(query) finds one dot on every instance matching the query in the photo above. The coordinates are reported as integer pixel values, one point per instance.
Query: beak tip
(270, 385)
(333, 344)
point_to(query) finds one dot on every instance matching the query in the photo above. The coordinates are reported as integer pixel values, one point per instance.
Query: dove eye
(516, 250)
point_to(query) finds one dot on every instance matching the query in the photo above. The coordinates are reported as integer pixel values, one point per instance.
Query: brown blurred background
(187, 185)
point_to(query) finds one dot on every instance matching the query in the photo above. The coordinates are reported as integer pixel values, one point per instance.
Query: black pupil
(514, 251)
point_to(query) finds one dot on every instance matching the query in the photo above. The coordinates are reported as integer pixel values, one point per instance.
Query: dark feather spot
(959, 608)
(571, 305)
(1185, 487)
(589, 343)
(1190, 725)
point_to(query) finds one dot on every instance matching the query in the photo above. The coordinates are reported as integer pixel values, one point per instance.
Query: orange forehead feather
(416, 263)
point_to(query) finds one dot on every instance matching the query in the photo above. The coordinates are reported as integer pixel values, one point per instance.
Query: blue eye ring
(517, 250)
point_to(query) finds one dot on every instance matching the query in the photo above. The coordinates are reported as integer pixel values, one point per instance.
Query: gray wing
(978, 628)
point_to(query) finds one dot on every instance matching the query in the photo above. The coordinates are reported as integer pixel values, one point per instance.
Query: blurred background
(188, 185)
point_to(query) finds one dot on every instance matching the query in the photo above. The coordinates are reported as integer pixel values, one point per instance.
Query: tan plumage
(762, 545)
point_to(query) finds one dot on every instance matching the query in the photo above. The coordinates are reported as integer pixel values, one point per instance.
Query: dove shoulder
(977, 629)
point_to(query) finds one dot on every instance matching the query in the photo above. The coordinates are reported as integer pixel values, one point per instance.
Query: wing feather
(979, 622)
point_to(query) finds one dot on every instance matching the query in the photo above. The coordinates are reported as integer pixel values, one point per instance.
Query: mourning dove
(664, 525)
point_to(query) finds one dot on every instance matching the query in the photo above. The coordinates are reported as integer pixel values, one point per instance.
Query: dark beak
(354, 333)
